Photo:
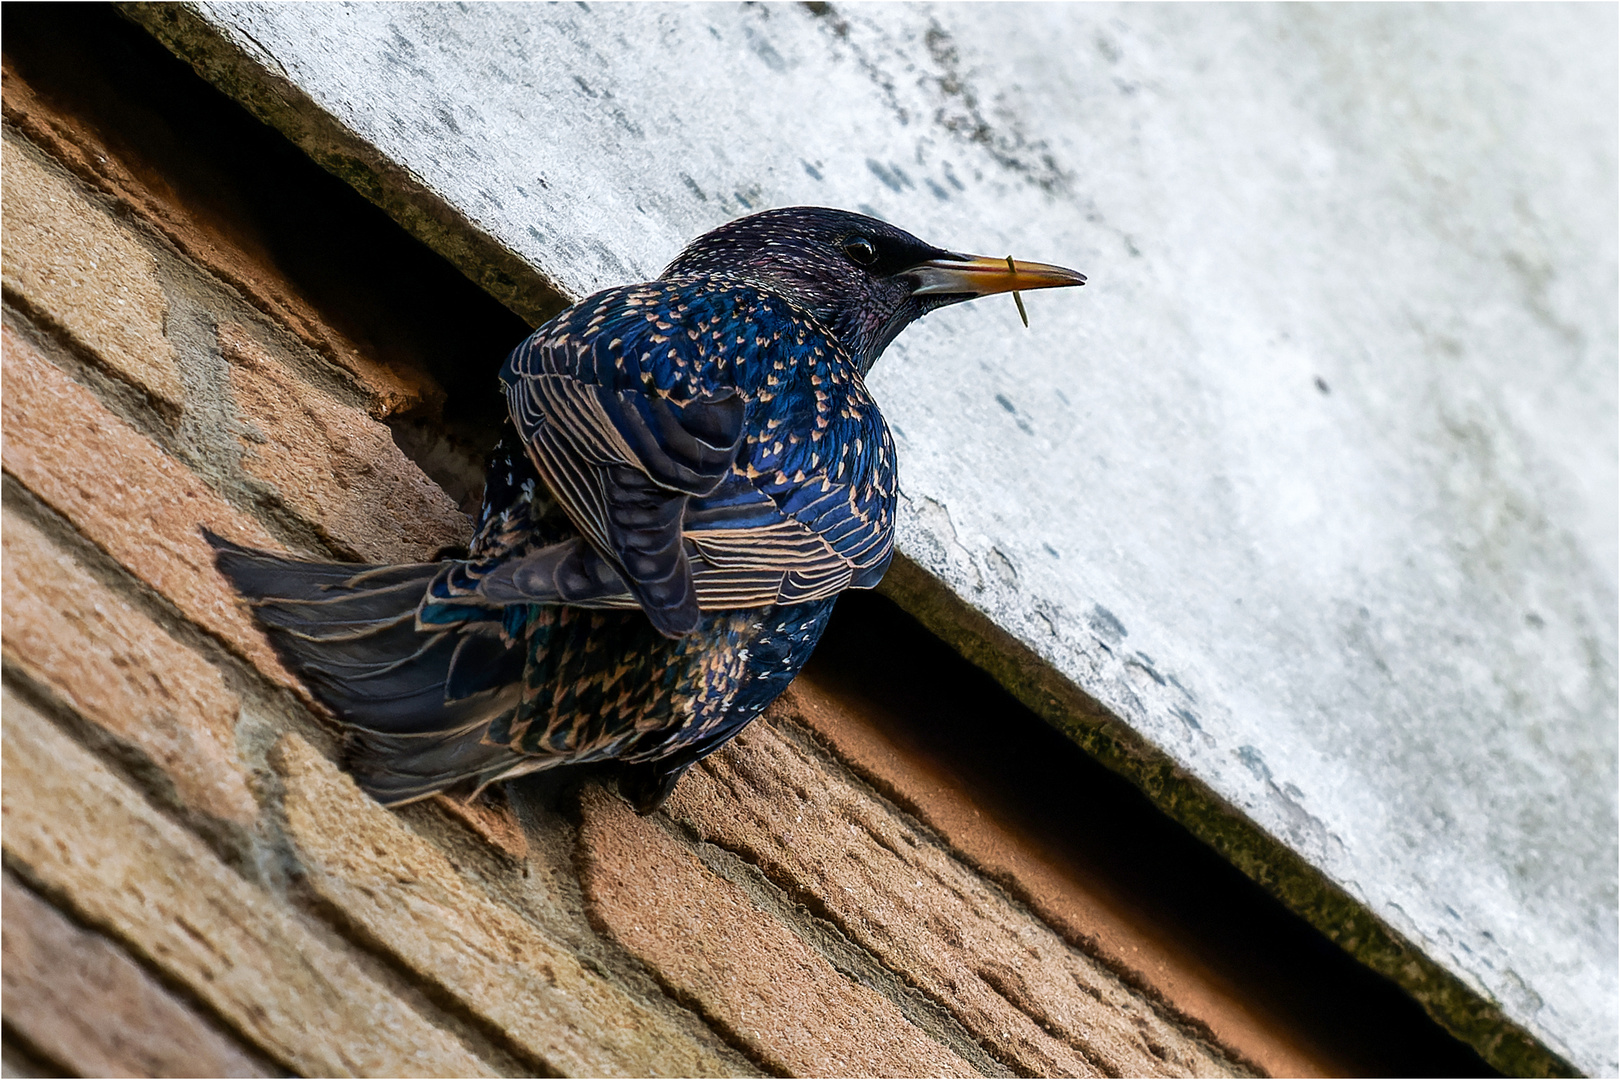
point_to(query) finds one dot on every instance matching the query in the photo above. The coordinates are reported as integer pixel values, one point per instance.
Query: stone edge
(1470, 1016)
(278, 102)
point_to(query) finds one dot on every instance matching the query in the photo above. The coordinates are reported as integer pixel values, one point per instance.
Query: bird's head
(863, 279)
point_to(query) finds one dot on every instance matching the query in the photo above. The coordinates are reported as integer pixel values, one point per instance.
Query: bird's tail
(416, 702)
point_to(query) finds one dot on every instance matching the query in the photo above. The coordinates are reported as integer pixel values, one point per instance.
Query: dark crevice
(246, 187)
(22, 1057)
(1104, 831)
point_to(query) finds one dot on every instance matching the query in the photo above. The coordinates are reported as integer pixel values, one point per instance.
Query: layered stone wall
(192, 884)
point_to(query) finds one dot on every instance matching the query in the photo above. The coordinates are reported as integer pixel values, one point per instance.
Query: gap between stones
(482, 1037)
(721, 1029)
(22, 1057)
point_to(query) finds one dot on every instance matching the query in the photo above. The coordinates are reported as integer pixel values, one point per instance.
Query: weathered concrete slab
(1313, 487)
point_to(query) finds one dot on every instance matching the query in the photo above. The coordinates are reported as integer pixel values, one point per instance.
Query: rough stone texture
(491, 818)
(744, 971)
(1084, 911)
(129, 499)
(334, 466)
(76, 830)
(405, 894)
(82, 270)
(115, 666)
(1034, 1002)
(1314, 484)
(205, 242)
(82, 1001)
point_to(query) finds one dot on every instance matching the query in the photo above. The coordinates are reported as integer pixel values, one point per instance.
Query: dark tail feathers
(416, 703)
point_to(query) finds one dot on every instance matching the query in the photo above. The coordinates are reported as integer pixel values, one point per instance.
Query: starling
(691, 472)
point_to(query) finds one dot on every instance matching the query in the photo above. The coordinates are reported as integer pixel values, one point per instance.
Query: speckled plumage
(693, 471)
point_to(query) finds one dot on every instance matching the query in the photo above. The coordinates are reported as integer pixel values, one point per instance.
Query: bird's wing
(714, 445)
(777, 532)
(624, 431)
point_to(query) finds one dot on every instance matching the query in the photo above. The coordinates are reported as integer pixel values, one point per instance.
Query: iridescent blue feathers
(712, 442)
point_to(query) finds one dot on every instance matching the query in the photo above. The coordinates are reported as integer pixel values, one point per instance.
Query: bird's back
(714, 441)
(694, 470)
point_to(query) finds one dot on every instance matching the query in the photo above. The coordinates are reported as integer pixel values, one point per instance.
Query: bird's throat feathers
(846, 271)
(863, 330)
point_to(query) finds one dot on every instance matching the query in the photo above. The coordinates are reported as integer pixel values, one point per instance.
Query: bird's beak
(981, 275)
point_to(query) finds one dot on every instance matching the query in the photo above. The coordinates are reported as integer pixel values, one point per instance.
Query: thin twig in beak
(1019, 300)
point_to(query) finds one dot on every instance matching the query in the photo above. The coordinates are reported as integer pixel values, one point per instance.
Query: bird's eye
(860, 250)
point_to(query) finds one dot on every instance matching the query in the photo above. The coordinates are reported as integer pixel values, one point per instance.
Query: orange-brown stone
(125, 495)
(118, 668)
(84, 1003)
(748, 974)
(334, 466)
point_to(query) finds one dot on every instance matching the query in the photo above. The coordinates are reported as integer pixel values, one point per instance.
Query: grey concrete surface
(1313, 486)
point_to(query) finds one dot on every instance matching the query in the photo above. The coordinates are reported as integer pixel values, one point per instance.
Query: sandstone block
(333, 465)
(403, 891)
(121, 670)
(85, 1003)
(82, 833)
(1036, 1003)
(491, 818)
(126, 496)
(86, 273)
(746, 972)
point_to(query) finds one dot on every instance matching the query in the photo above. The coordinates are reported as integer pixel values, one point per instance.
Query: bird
(691, 470)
